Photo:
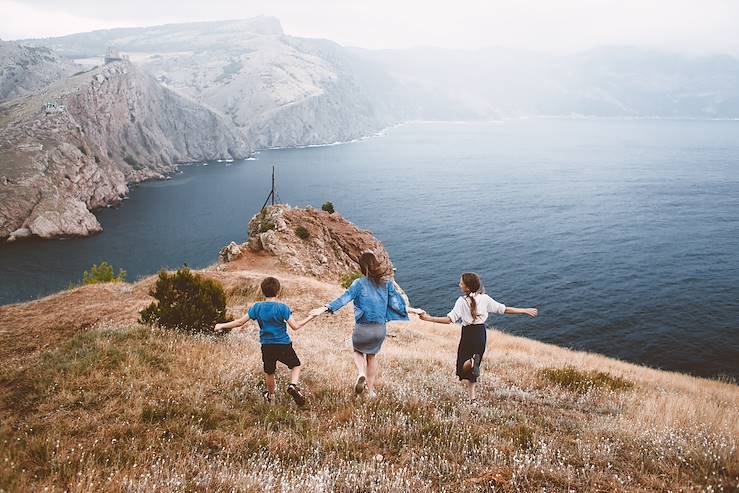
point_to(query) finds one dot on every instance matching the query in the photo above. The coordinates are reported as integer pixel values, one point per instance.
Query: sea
(623, 232)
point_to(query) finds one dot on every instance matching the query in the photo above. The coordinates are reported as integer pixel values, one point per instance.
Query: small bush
(302, 233)
(328, 207)
(131, 161)
(348, 279)
(582, 381)
(186, 301)
(266, 226)
(102, 273)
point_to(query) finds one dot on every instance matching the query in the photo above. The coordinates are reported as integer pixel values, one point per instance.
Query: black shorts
(473, 341)
(284, 353)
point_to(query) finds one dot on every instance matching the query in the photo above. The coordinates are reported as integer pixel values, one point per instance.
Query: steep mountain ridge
(279, 90)
(105, 128)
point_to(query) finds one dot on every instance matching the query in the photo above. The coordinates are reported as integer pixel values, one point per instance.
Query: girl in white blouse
(472, 309)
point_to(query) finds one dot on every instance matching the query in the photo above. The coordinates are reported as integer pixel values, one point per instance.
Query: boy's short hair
(270, 287)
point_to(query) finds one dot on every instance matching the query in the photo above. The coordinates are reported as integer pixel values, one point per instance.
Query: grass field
(92, 401)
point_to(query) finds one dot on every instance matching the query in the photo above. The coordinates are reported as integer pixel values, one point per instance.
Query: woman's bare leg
(360, 363)
(371, 371)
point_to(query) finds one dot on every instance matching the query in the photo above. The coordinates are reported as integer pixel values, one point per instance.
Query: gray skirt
(368, 338)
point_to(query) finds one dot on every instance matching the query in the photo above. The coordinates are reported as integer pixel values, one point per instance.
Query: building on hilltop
(113, 55)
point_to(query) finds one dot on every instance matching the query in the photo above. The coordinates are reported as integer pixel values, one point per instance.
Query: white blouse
(484, 304)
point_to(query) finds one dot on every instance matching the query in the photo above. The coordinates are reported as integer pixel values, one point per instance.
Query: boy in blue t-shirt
(273, 318)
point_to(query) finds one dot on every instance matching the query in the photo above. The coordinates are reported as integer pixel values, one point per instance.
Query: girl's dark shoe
(296, 394)
(472, 365)
(360, 385)
(268, 398)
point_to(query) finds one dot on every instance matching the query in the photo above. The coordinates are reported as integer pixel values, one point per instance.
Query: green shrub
(131, 161)
(582, 381)
(102, 273)
(186, 301)
(302, 233)
(348, 279)
(266, 226)
(328, 207)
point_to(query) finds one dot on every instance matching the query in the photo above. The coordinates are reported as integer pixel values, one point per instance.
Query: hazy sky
(693, 26)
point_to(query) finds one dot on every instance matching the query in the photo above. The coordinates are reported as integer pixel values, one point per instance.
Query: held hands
(318, 311)
(420, 312)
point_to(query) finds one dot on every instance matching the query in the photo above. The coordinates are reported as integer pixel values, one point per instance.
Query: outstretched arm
(298, 325)
(341, 301)
(439, 320)
(232, 324)
(531, 312)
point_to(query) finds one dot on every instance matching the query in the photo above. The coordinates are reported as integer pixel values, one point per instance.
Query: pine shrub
(102, 273)
(328, 207)
(302, 233)
(187, 302)
(349, 279)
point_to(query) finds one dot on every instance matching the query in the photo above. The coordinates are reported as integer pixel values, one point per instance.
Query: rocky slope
(24, 70)
(113, 125)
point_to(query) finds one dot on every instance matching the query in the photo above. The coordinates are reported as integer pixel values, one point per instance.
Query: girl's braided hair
(473, 284)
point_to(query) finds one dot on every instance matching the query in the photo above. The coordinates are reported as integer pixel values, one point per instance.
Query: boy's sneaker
(296, 394)
(472, 365)
(268, 397)
(372, 394)
(360, 385)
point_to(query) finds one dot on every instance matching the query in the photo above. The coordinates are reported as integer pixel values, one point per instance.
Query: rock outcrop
(309, 241)
(78, 144)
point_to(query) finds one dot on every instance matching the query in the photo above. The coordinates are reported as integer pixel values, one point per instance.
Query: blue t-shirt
(271, 317)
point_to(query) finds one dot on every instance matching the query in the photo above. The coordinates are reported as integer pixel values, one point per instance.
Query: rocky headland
(76, 145)
(307, 241)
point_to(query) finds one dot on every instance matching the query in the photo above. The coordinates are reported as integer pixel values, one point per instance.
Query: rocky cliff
(308, 242)
(77, 144)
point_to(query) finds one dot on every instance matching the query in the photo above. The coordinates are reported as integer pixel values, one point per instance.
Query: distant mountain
(614, 81)
(279, 90)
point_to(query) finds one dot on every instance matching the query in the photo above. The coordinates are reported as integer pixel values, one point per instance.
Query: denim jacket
(372, 304)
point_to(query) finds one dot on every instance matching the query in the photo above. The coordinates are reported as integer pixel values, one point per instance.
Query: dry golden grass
(92, 401)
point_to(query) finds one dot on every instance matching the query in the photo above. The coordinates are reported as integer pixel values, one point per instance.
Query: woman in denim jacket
(376, 302)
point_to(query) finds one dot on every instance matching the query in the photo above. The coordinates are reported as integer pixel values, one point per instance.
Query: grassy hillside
(92, 401)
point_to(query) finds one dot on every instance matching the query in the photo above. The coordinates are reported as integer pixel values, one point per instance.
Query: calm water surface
(624, 233)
